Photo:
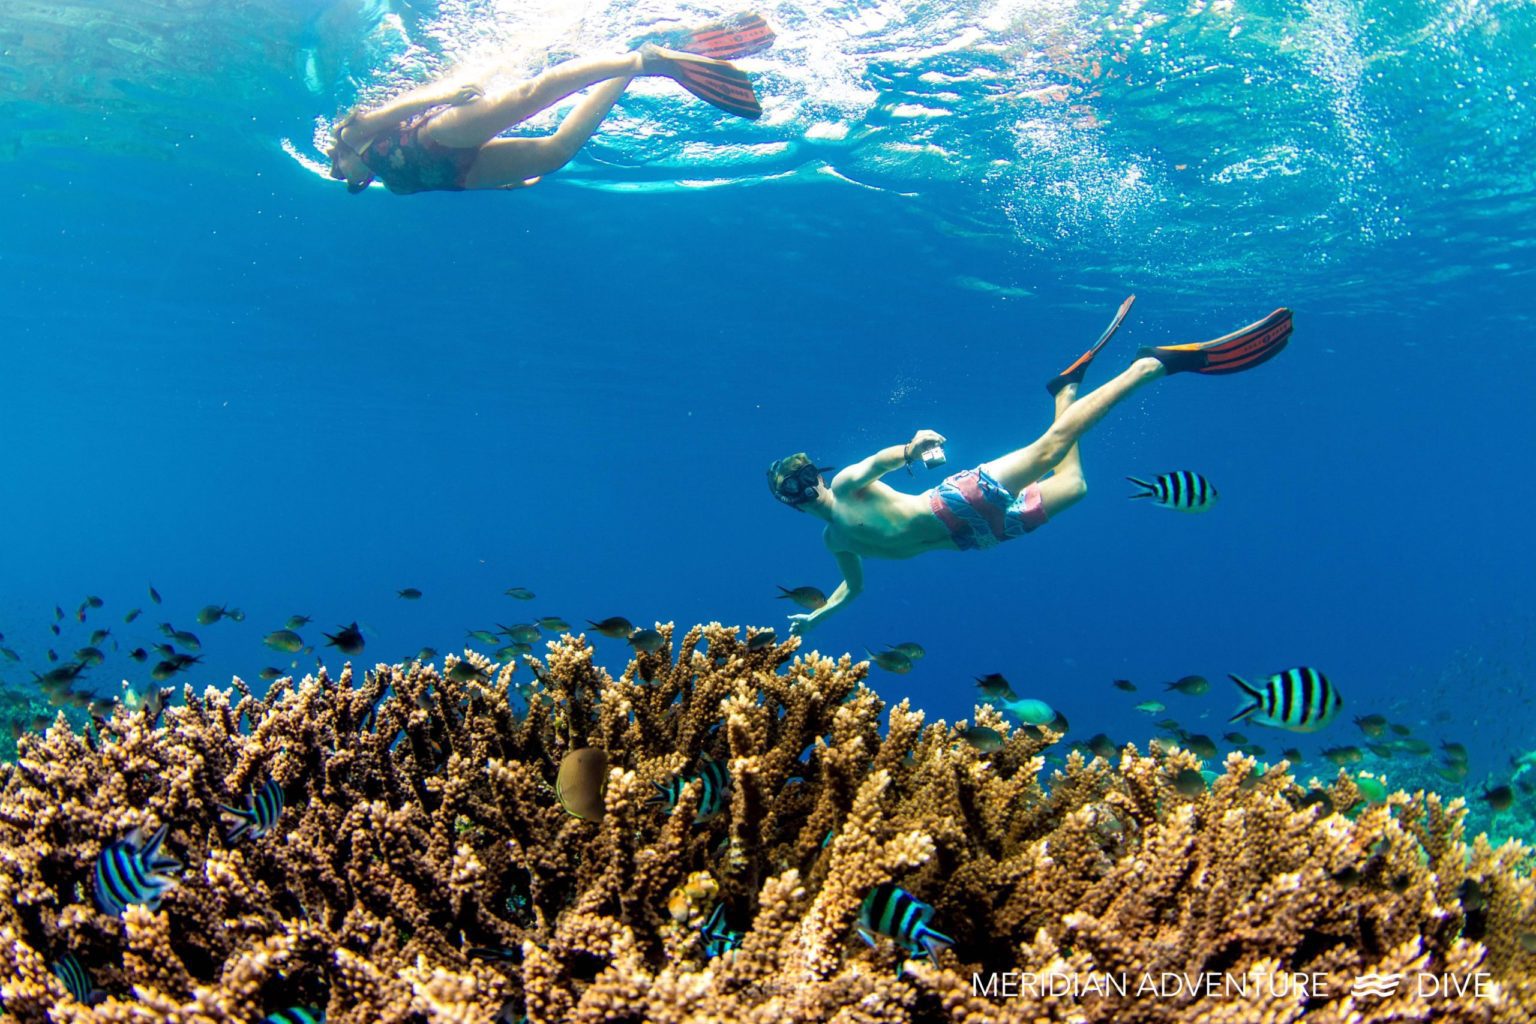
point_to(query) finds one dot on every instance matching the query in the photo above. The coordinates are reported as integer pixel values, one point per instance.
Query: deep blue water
(226, 377)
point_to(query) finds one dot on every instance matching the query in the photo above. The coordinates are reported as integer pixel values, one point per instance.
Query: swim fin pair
(695, 58)
(1243, 349)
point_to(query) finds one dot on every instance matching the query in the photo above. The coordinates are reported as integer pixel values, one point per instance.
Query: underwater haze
(226, 378)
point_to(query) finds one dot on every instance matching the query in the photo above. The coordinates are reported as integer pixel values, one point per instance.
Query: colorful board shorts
(979, 511)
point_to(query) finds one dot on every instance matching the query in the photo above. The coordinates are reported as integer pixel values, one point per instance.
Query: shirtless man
(998, 500)
(442, 137)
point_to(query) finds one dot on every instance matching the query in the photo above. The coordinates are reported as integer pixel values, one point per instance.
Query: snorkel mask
(794, 480)
(341, 175)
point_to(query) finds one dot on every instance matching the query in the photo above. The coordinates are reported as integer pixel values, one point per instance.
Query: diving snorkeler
(443, 137)
(998, 500)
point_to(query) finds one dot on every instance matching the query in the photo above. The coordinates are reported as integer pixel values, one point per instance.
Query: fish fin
(1247, 687)
(867, 936)
(1147, 490)
(1243, 349)
(1255, 698)
(236, 829)
(934, 943)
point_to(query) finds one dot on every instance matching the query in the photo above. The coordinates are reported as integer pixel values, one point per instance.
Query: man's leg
(475, 124)
(1065, 486)
(1018, 469)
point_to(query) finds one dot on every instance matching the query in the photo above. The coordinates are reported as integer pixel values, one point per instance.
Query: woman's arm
(409, 104)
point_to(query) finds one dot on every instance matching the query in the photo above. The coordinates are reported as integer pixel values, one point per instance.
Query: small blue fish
(133, 870)
(295, 1015)
(717, 785)
(76, 980)
(260, 814)
(893, 912)
(718, 938)
(1184, 490)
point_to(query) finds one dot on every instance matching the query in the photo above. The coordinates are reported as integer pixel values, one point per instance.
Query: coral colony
(722, 834)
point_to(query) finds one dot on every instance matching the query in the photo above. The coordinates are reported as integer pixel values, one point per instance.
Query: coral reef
(423, 869)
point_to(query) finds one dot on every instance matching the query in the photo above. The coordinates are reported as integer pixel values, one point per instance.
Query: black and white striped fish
(295, 1015)
(133, 870)
(718, 938)
(892, 911)
(258, 816)
(717, 787)
(77, 980)
(1184, 490)
(1299, 699)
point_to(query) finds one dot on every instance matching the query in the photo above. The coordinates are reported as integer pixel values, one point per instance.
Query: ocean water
(226, 378)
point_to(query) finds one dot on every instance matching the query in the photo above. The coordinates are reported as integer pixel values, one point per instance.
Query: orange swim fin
(713, 81)
(739, 35)
(1241, 350)
(1074, 373)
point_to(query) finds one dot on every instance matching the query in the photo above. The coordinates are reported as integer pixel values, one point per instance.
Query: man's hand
(923, 441)
(799, 625)
(465, 94)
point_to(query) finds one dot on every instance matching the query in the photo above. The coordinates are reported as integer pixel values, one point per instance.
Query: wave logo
(1378, 985)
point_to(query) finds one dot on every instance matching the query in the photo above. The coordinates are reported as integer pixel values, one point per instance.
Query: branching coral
(424, 870)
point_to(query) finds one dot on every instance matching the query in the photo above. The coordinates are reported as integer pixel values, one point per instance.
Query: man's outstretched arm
(862, 474)
(852, 585)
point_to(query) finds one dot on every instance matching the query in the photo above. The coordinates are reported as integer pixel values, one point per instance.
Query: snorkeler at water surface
(999, 500)
(443, 137)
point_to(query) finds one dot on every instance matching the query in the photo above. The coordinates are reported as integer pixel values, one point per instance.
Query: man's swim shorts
(979, 511)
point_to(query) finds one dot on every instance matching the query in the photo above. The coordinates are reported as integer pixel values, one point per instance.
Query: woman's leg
(509, 163)
(1018, 469)
(476, 123)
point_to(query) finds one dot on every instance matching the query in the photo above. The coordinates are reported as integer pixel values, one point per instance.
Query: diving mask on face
(794, 480)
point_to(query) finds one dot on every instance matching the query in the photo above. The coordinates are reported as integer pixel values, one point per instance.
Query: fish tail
(246, 821)
(934, 942)
(1147, 490)
(1255, 698)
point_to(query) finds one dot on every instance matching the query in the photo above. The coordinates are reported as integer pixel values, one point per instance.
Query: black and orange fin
(739, 35)
(713, 81)
(1241, 350)
(1074, 373)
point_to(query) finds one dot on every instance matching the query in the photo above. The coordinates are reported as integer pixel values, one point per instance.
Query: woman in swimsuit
(443, 137)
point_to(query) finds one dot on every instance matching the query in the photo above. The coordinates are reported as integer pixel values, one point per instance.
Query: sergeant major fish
(134, 870)
(716, 779)
(1299, 699)
(718, 938)
(1184, 490)
(77, 980)
(893, 912)
(258, 816)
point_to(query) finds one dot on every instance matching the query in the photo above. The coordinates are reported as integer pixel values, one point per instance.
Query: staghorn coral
(425, 872)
